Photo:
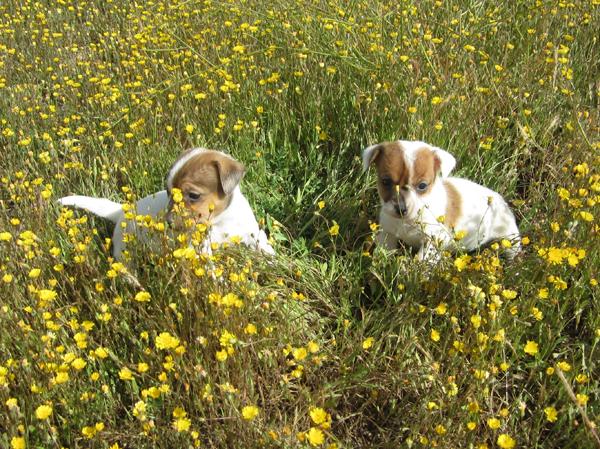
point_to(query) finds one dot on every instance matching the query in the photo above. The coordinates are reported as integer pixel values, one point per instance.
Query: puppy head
(407, 172)
(207, 180)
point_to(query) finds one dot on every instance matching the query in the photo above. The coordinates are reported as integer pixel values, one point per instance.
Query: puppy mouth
(176, 219)
(395, 211)
(396, 208)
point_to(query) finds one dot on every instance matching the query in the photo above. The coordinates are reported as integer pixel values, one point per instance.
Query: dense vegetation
(333, 343)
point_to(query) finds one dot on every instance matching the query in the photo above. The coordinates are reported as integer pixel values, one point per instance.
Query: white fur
(237, 220)
(484, 216)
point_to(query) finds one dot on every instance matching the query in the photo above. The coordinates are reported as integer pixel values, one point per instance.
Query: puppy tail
(98, 206)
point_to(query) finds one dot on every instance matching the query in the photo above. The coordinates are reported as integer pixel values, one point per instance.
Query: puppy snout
(400, 206)
(400, 209)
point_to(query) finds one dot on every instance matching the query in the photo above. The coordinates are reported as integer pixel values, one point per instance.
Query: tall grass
(333, 343)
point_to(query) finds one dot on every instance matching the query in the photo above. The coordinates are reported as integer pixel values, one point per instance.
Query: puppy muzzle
(400, 206)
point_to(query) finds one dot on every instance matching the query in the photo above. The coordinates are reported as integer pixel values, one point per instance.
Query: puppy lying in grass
(206, 183)
(429, 211)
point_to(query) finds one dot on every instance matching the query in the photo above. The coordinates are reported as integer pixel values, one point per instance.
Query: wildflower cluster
(331, 343)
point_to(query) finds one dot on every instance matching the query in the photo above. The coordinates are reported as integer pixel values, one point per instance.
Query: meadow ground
(332, 344)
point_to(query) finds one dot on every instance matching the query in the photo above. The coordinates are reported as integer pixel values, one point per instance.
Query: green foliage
(333, 342)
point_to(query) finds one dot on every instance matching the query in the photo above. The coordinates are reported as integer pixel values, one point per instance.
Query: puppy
(424, 208)
(209, 184)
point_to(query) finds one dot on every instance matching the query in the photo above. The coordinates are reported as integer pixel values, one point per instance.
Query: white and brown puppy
(209, 182)
(424, 208)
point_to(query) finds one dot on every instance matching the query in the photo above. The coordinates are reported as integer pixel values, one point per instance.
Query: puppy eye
(386, 182)
(422, 186)
(193, 196)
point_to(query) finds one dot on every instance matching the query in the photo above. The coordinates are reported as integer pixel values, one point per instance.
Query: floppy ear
(231, 173)
(445, 162)
(369, 155)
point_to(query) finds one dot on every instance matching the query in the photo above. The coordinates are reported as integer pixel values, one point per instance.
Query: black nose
(400, 210)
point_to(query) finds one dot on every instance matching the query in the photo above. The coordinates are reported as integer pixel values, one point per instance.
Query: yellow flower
(493, 423)
(61, 378)
(177, 195)
(142, 296)
(531, 348)
(564, 366)
(299, 353)
(476, 321)
(46, 295)
(366, 344)
(312, 347)
(315, 436)
(179, 413)
(459, 235)
(78, 364)
(582, 399)
(461, 262)
(334, 230)
(551, 414)
(166, 341)
(17, 443)
(249, 412)
(125, 374)
(43, 412)
(182, 424)
(505, 441)
(318, 415)
(435, 335)
(101, 352)
(88, 431)
(442, 308)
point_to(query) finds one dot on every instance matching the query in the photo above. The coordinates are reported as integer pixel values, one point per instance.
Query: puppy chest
(410, 234)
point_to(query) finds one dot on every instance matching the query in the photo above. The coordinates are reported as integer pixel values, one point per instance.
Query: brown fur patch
(454, 206)
(424, 169)
(205, 175)
(390, 163)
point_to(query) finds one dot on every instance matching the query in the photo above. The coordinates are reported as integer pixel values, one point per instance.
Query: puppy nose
(400, 209)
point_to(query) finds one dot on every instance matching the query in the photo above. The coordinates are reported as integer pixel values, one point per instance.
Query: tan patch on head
(425, 167)
(208, 177)
(454, 206)
(391, 165)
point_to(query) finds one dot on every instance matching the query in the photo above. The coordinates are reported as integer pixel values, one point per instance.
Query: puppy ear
(369, 155)
(231, 173)
(445, 162)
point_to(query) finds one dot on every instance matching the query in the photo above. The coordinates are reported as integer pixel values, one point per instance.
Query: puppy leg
(431, 250)
(386, 240)
(429, 253)
(515, 249)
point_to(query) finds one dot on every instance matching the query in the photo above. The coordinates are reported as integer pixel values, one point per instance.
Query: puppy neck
(235, 200)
